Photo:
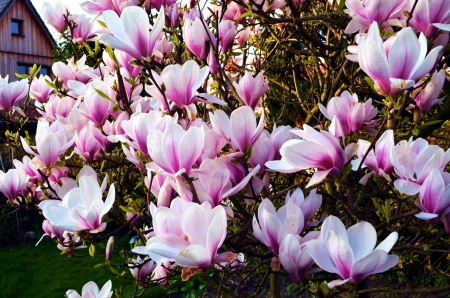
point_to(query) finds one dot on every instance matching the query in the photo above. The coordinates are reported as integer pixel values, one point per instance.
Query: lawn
(30, 271)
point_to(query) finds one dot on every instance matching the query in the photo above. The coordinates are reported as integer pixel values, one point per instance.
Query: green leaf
(50, 84)
(433, 122)
(126, 209)
(102, 94)
(92, 250)
(21, 76)
(102, 24)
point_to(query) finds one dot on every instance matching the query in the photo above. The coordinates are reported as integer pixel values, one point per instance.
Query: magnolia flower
(181, 84)
(309, 206)
(319, 150)
(227, 31)
(13, 182)
(40, 90)
(352, 115)
(109, 248)
(197, 37)
(272, 226)
(350, 253)
(204, 229)
(82, 208)
(431, 16)
(294, 256)
(90, 290)
(132, 32)
(175, 149)
(54, 15)
(428, 96)
(250, 89)
(240, 130)
(10, 93)
(364, 13)
(434, 199)
(400, 65)
(141, 269)
(378, 160)
(82, 29)
(414, 160)
(51, 141)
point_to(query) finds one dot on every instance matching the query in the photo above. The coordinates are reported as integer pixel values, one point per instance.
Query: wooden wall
(35, 47)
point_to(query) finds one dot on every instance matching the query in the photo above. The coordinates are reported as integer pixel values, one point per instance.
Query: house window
(17, 27)
(24, 68)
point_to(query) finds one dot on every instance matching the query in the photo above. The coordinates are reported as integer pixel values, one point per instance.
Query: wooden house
(24, 39)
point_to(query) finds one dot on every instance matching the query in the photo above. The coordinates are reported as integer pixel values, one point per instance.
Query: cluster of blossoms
(205, 157)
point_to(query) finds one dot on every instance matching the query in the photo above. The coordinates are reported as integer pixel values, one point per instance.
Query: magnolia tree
(247, 143)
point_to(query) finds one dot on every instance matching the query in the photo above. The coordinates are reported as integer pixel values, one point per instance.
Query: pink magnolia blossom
(234, 12)
(175, 149)
(227, 31)
(243, 35)
(124, 58)
(271, 226)
(181, 84)
(352, 115)
(78, 71)
(10, 93)
(379, 160)
(414, 160)
(96, 7)
(109, 248)
(90, 290)
(364, 13)
(294, 256)
(309, 206)
(240, 130)
(262, 152)
(428, 96)
(399, 66)
(95, 106)
(157, 4)
(82, 208)
(132, 32)
(173, 14)
(204, 230)
(213, 184)
(197, 37)
(40, 90)
(141, 269)
(58, 106)
(87, 145)
(13, 182)
(350, 253)
(51, 141)
(319, 150)
(250, 89)
(82, 29)
(141, 125)
(431, 16)
(434, 199)
(54, 15)
(279, 136)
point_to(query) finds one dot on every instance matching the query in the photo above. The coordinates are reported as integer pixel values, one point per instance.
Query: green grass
(30, 271)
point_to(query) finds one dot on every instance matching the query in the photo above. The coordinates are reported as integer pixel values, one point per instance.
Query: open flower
(90, 290)
(399, 66)
(350, 253)
(132, 32)
(319, 150)
(82, 208)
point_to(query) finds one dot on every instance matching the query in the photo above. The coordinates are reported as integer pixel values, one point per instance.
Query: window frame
(19, 22)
